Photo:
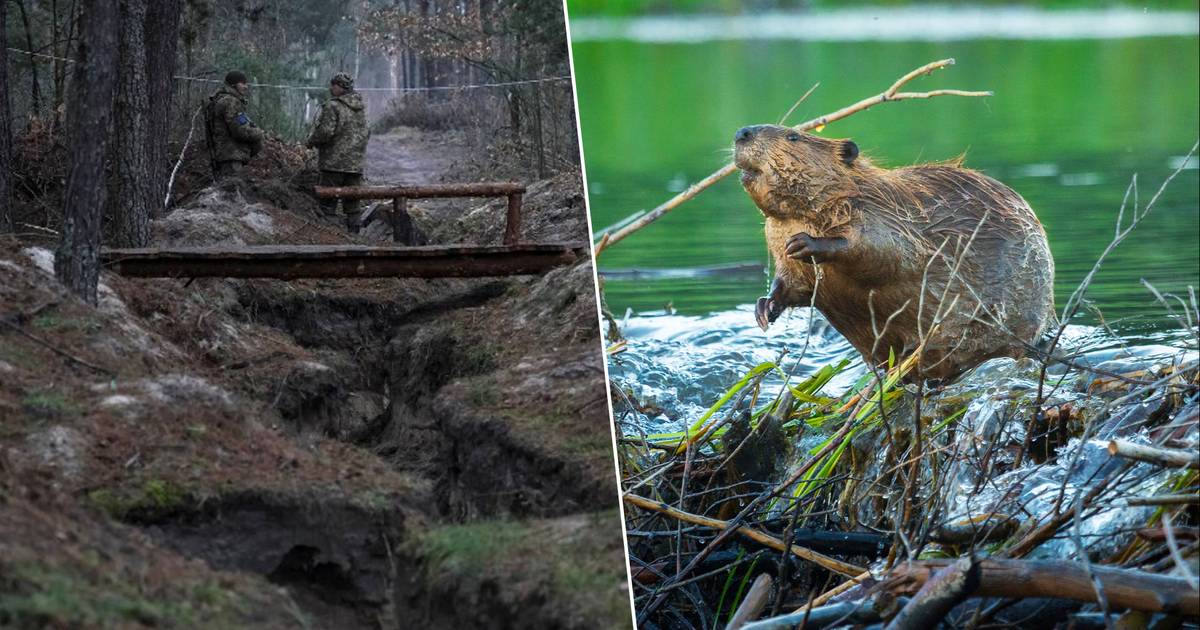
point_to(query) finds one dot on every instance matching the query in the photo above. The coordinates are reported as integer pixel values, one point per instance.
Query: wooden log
(341, 261)
(427, 191)
(395, 218)
(1057, 579)
(512, 225)
(945, 589)
(1159, 534)
(752, 606)
(986, 528)
(1167, 457)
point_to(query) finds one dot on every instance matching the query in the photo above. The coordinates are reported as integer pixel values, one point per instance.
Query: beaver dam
(815, 492)
(774, 480)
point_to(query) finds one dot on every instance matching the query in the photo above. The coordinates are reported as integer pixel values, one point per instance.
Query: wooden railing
(403, 230)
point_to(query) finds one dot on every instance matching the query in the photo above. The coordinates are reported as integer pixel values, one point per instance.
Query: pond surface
(1071, 122)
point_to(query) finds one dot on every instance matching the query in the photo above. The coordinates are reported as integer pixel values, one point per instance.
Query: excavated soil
(362, 453)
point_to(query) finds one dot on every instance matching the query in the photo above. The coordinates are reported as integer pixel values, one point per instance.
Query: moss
(49, 404)
(154, 499)
(579, 567)
(469, 549)
(163, 494)
(475, 356)
(588, 445)
(482, 392)
(37, 595)
(374, 500)
(17, 355)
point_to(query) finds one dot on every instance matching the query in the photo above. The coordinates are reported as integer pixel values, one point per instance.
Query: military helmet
(235, 77)
(343, 79)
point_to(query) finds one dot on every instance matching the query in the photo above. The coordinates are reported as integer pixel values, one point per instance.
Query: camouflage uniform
(232, 138)
(340, 138)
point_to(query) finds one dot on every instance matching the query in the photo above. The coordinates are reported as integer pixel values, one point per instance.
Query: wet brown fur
(905, 228)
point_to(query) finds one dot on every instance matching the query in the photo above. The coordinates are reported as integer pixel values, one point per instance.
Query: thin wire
(322, 87)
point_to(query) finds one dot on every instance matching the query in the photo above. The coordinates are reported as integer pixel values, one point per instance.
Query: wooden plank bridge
(290, 262)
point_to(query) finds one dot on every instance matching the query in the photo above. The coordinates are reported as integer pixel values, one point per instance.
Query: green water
(1070, 124)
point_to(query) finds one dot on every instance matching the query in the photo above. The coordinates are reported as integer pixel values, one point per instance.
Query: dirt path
(412, 156)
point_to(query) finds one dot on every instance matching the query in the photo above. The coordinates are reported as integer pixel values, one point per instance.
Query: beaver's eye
(793, 137)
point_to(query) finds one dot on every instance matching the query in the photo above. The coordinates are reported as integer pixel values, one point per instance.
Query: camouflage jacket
(341, 134)
(231, 135)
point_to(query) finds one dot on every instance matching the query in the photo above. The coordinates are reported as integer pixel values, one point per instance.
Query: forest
(260, 447)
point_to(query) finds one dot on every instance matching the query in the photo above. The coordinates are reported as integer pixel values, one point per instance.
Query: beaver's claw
(808, 248)
(766, 311)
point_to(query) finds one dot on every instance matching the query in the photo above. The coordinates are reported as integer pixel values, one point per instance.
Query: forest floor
(321, 453)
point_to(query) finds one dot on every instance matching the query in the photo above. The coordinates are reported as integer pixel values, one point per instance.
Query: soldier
(340, 138)
(232, 138)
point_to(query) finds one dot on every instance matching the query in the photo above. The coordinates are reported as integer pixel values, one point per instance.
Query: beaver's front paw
(808, 248)
(766, 311)
(770, 307)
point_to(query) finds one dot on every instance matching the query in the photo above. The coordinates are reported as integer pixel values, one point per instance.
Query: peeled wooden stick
(869, 610)
(824, 598)
(1166, 499)
(891, 94)
(756, 599)
(1124, 588)
(1168, 457)
(756, 535)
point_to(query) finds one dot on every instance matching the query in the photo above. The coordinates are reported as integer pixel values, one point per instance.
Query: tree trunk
(88, 118)
(35, 90)
(60, 67)
(162, 38)
(132, 134)
(539, 143)
(6, 219)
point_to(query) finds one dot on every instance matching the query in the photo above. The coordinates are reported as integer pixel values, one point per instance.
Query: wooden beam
(482, 189)
(341, 261)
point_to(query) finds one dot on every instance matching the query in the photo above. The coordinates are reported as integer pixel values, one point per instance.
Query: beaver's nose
(746, 134)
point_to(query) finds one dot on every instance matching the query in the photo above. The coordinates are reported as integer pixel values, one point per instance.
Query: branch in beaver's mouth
(746, 163)
(748, 175)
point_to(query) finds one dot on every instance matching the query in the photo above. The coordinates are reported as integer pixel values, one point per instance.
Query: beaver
(890, 252)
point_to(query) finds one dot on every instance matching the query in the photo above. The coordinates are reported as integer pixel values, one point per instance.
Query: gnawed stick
(182, 153)
(756, 535)
(754, 602)
(1165, 499)
(891, 94)
(870, 610)
(1124, 588)
(1168, 457)
(944, 590)
(825, 597)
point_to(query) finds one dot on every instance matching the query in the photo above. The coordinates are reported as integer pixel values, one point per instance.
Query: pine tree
(89, 115)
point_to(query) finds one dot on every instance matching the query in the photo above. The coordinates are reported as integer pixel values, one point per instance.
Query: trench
(350, 566)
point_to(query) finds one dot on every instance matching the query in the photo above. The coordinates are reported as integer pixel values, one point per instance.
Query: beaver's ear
(848, 151)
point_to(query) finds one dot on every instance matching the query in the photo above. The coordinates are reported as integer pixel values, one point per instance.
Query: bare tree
(88, 118)
(6, 219)
(34, 87)
(133, 165)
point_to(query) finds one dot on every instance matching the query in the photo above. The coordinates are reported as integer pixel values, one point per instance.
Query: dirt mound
(284, 163)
